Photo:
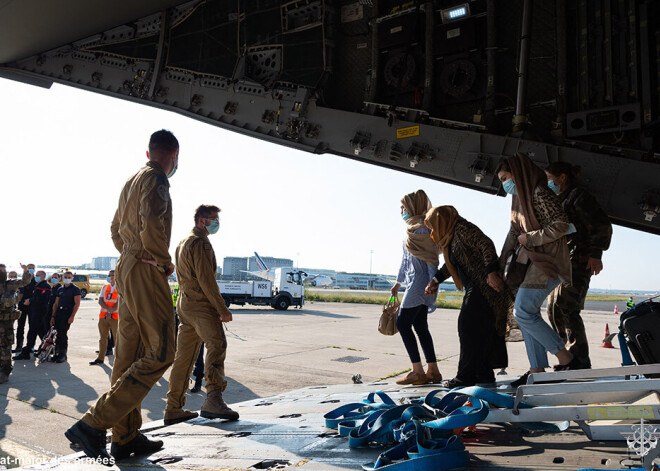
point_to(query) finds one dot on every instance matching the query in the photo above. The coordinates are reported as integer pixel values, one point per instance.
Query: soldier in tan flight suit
(141, 232)
(201, 312)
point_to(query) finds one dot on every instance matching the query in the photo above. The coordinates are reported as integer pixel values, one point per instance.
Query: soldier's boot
(215, 408)
(180, 415)
(91, 440)
(140, 445)
(197, 387)
(23, 355)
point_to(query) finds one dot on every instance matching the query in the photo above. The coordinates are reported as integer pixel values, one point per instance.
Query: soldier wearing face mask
(38, 312)
(24, 306)
(64, 311)
(8, 314)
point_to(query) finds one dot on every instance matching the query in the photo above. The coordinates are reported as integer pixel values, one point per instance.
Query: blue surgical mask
(553, 187)
(509, 186)
(405, 215)
(37, 279)
(31, 271)
(54, 281)
(108, 279)
(213, 227)
(66, 281)
(171, 174)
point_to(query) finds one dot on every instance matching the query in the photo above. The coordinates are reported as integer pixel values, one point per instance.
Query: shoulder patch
(164, 192)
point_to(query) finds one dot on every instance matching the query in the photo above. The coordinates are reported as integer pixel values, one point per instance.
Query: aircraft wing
(441, 92)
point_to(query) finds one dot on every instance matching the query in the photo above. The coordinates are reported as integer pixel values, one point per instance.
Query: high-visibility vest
(109, 295)
(175, 294)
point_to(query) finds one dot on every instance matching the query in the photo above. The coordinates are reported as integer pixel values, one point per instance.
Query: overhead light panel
(456, 13)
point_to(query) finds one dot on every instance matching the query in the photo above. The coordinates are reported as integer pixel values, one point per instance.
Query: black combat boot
(91, 440)
(23, 355)
(197, 387)
(140, 445)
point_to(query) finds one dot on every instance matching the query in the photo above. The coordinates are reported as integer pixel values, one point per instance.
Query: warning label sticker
(620, 412)
(411, 131)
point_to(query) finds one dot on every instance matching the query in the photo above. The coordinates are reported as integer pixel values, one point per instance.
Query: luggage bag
(641, 327)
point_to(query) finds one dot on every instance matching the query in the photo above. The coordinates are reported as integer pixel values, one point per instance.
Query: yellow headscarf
(442, 221)
(419, 245)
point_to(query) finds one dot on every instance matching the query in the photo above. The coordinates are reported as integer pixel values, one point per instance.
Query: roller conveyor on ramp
(287, 431)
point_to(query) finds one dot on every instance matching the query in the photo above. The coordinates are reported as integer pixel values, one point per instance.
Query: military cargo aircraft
(440, 88)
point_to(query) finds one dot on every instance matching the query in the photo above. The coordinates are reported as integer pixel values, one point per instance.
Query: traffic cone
(616, 309)
(607, 340)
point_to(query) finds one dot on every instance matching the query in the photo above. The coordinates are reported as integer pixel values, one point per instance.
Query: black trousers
(481, 349)
(62, 326)
(198, 372)
(20, 326)
(416, 317)
(36, 327)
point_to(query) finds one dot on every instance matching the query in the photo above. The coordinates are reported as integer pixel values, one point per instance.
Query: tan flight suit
(199, 307)
(140, 230)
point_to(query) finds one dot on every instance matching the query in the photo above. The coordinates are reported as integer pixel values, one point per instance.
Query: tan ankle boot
(215, 407)
(175, 416)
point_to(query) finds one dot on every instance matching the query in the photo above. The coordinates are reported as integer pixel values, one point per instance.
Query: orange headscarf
(442, 221)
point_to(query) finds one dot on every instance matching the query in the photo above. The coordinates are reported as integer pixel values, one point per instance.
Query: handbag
(514, 270)
(387, 322)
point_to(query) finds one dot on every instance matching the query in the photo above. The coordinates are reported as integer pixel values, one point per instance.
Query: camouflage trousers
(564, 306)
(6, 342)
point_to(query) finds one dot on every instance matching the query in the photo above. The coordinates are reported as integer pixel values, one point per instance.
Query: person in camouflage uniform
(8, 314)
(589, 235)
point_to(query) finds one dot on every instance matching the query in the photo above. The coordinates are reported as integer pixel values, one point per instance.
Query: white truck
(286, 289)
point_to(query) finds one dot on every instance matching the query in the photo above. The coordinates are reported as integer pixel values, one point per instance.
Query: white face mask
(67, 281)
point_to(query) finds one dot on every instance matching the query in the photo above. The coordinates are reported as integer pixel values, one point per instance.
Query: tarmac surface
(270, 352)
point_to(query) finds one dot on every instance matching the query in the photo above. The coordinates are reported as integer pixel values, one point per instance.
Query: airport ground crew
(24, 306)
(589, 235)
(141, 231)
(108, 317)
(630, 304)
(38, 314)
(64, 312)
(56, 284)
(8, 314)
(201, 314)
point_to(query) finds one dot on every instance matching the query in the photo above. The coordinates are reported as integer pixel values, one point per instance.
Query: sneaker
(574, 364)
(91, 440)
(140, 445)
(175, 416)
(413, 378)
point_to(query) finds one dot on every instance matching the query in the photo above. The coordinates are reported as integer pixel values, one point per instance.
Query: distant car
(82, 282)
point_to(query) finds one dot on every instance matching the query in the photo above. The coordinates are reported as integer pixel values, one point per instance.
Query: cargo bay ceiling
(441, 89)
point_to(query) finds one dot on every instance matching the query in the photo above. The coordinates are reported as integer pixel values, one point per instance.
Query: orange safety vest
(110, 299)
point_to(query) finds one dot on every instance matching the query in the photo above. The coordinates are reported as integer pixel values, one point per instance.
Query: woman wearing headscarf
(536, 241)
(418, 265)
(472, 263)
(590, 234)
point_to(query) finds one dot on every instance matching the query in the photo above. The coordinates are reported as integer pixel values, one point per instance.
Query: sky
(66, 154)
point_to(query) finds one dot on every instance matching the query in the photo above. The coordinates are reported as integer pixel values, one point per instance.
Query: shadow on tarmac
(295, 312)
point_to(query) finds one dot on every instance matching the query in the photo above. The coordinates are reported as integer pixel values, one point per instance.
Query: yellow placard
(620, 412)
(411, 131)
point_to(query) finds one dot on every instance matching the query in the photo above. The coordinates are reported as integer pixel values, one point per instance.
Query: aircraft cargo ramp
(287, 431)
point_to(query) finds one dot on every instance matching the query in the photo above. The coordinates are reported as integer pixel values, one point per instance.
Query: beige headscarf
(527, 176)
(442, 221)
(419, 245)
